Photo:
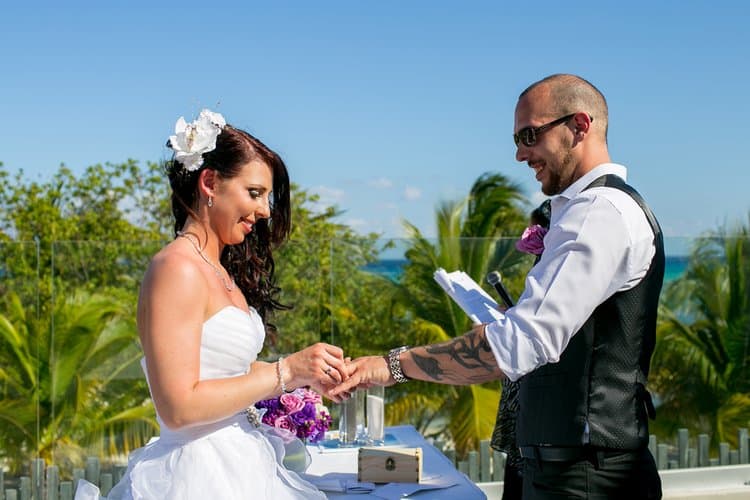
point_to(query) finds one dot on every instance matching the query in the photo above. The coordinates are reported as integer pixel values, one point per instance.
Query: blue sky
(386, 108)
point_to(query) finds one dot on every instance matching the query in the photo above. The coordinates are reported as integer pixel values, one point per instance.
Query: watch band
(394, 364)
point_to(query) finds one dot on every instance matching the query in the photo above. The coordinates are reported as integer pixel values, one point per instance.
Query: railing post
(37, 478)
(66, 490)
(53, 482)
(742, 444)
(451, 454)
(474, 466)
(661, 456)
(723, 453)
(463, 467)
(92, 470)
(692, 457)
(682, 448)
(703, 460)
(652, 445)
(120, 470)
(484, 461)
(498, 466)
(78, 474)
(105, 483)
(24, 488)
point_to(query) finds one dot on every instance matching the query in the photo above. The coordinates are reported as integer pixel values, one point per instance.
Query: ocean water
(393, 268)
(675, 267)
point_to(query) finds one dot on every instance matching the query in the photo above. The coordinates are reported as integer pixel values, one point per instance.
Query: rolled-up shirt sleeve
(585, 261)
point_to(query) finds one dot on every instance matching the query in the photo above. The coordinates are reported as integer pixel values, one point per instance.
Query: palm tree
(475, 235)
(702, 357)
(66, 382)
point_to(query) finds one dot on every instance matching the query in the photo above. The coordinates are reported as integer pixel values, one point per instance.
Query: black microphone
(496, 281)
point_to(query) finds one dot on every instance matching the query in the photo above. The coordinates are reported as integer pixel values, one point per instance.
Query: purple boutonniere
(532, 240)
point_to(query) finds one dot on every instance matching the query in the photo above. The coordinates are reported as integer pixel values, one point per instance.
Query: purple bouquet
(301, 412)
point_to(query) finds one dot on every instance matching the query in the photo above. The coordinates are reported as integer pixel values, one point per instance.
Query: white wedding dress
(229, 459)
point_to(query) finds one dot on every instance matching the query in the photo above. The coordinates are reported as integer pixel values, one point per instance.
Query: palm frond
(473, 416)
(701, 361)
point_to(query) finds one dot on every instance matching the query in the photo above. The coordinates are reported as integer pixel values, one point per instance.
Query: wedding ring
(327, 370)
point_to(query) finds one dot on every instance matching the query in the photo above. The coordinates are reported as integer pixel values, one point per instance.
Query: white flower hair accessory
(191, 140)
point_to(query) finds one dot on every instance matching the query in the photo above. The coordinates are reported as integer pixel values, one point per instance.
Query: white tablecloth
(339, 466)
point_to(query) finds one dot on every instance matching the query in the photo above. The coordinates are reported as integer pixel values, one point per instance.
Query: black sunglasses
(528, 135)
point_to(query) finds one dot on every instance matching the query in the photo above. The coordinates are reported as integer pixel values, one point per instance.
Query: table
(343, 462)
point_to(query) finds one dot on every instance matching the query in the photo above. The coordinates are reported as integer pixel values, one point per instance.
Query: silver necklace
(229, 285)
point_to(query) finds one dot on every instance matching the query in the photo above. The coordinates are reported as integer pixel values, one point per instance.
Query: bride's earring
(210, 201)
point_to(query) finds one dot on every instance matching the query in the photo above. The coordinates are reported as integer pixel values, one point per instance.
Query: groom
(581, 336)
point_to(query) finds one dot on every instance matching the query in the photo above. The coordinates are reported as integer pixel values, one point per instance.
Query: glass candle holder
(376, 415)
(352, 419)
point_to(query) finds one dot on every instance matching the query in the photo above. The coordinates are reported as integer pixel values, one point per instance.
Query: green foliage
(80, 232)
(475, 235)
(70, 380)
(66, 381)
(72, 252)
(321, 277)
(701, 364)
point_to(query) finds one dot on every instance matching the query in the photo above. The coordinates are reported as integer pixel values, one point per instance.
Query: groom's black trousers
(595, 474)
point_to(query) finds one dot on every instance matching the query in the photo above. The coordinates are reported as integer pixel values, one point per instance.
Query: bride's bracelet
(280, 374)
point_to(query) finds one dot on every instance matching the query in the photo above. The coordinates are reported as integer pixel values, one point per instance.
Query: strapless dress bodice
(230, 341)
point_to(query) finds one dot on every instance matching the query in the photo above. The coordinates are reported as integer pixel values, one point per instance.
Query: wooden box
(389, 464)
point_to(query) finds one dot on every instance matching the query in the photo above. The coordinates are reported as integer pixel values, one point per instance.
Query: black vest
(601, 375)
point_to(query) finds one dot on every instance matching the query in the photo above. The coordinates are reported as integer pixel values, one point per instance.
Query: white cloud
(329, 194)
(412, 193)
(380, 183)
(355, 223)
(327, 197)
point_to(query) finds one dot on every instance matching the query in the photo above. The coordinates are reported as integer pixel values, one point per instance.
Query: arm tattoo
(429, 365)
(466, 350)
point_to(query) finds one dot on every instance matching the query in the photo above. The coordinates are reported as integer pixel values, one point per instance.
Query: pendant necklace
(229, 285)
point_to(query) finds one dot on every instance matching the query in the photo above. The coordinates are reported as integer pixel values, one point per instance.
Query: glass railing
(70, 379)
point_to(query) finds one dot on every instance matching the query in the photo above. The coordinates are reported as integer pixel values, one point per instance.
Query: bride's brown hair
(251, 262)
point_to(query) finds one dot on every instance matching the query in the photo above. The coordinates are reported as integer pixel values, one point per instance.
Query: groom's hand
(367, 371)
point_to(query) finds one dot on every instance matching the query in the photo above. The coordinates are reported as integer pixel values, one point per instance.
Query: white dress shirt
(599, 243)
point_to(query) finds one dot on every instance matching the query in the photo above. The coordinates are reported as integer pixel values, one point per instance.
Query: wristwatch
(394, 364)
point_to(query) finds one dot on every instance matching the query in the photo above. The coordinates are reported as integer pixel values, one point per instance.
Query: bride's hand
(320, 366)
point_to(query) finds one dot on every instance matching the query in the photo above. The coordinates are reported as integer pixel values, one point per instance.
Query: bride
(201, 312)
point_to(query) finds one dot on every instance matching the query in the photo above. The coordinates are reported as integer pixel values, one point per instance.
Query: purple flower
(311, 397)
(299, 418)
(532, 240)
(270, 417)
(285, 422)
(269, 404)
(291, 402)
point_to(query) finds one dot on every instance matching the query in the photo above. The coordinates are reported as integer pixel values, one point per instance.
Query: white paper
(339, 482)
(475, 302)
(393, 491)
